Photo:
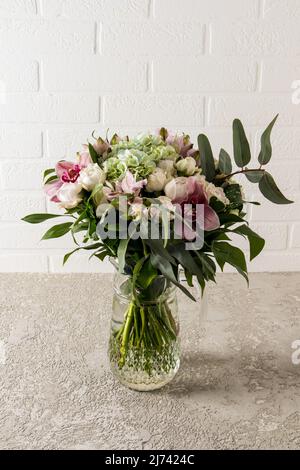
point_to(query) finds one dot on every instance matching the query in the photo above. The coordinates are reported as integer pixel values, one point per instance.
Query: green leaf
(58, 231)
(266, 147)
(122, 249)
(256, 242)
(147, 274)
(157, 247)
(233, 193)
(254, 176)
(166, 269)
(39, 218)
(186, 260)
(225, 164)
(51, 179)
(241, 148)
(271, 191)
(226, 253)
(48, 172)
(206, 158)
(68, 255)
(93, 154)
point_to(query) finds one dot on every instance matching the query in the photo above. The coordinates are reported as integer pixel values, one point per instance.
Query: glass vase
(144, 345)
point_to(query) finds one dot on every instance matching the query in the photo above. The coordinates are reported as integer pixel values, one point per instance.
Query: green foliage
(206, 158)
(271, 191)
(255, 241)
(39, 218)
(266, 147)
(241, 148)
(225, 164)
(93, 154)
(58, 231)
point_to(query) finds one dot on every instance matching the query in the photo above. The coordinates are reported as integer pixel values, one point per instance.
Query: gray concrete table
(237, 386)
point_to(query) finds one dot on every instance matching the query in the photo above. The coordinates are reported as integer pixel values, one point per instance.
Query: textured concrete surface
(237, 386)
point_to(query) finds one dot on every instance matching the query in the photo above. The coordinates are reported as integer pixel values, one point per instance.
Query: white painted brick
(102, 74)
(154, 110)
(24, 236)
(23, 141)
(276, 262)
(295, 237)
(38, 108)
(65, 142)
(154, 39)
(274, 234)
(19, 75)
(15, 206)
(285, 142)
(79, 264)
(284, 9)
(38, 37)
(10, 263)
(17, 8)
(202, 10)
(286, 175)
(268, 212)
(23, 175)
(280, 75)
(204, 74)
(255, 110)
(104, 10)
(256, 38)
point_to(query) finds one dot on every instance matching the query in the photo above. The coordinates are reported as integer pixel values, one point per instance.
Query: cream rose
(168, 167)
(69, 195)
(91, 176)
(156, 181)
(176, 188)
(187, 166)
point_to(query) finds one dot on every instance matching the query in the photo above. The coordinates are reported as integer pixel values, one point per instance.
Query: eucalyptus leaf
(58, 231)
(254, 176)
(39, 218)
(241, 148)
(271, 191)
(266, 146)
(206, 158)
(225, 164)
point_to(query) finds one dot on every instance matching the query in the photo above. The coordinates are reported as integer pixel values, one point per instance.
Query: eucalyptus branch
(239, 172)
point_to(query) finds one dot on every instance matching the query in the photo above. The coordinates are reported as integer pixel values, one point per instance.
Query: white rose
(156, 181)
(69, 195)
(213, 191)
(176, 188)
(168, 167)
(187, 166)
(91, 176)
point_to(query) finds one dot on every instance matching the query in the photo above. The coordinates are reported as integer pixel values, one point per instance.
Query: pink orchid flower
(194, 194)
(67, 172)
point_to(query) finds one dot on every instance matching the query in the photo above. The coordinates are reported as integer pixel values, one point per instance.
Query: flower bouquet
(157, 206)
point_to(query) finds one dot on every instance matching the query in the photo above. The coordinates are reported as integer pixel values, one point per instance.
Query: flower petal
(211, 219)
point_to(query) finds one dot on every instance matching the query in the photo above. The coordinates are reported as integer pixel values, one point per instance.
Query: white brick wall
(72, 66)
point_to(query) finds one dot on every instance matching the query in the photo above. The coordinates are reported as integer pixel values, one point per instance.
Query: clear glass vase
(144, 345)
